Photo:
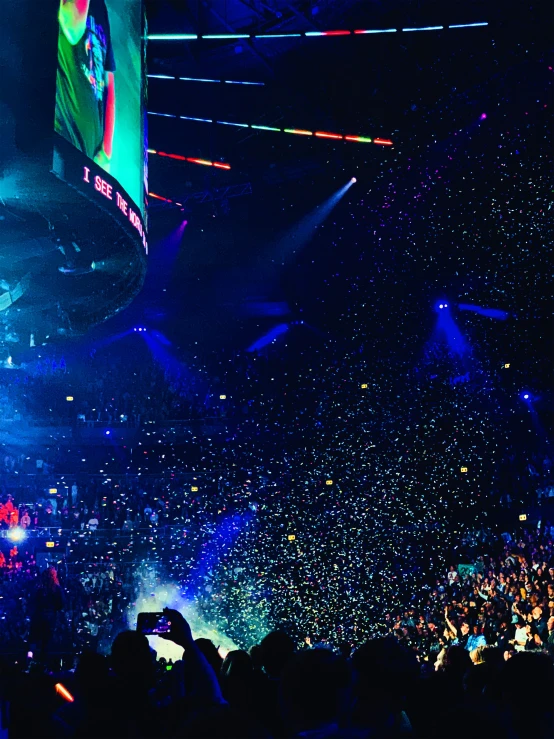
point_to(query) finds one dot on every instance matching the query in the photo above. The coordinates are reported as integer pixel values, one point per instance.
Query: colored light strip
(163, 115)
(357, 32)
(165, 200)
(298, 131)
(204, 79)
(425, 28)
(278, 35)
(468, 25)
(328, 33)
(172, 37)
(194, 79)
(225, 35)
(201, 120)
(194, 160)
(324, 135)
(363, 32)
(265, 128)
(238, 82)
(229, 123)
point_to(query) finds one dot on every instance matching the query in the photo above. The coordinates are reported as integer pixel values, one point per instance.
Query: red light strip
(205, 162)
(324, 135)
(165, 200)
(328, 33)
(193, 160)
(384, 142)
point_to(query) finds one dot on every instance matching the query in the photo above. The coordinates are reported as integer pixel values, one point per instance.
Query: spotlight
(353, 180)
(107, 432)
(525, 396)
(482, 117)
(16, 534)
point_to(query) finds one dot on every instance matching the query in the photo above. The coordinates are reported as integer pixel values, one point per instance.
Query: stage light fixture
(16, 534)
(194, 489)
(353, 180)
(328, 482)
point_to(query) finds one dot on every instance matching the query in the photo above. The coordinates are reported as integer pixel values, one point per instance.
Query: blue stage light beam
(112, 339)
(448, 328)
(499, 315)
(268, 338)
(164, 256)
(301, 234)
(159, 346)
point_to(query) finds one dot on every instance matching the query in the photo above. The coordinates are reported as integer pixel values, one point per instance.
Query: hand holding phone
(179, 631)
(153, 623)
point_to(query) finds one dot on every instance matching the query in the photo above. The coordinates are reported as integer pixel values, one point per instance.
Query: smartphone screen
(153, 623)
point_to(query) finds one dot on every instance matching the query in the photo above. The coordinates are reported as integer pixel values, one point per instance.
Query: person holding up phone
(200, 681)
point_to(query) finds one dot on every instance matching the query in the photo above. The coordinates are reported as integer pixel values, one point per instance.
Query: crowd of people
(87, 390)
(456, 664)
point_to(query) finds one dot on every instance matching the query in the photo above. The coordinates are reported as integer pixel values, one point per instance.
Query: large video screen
(100, 107)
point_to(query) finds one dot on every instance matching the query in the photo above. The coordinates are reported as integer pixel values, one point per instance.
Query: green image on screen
(99, 86)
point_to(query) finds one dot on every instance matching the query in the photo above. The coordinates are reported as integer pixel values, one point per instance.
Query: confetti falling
(337, 476)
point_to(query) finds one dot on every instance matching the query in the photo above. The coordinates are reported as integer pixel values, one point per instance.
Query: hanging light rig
(305, 34)
(297, 131)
